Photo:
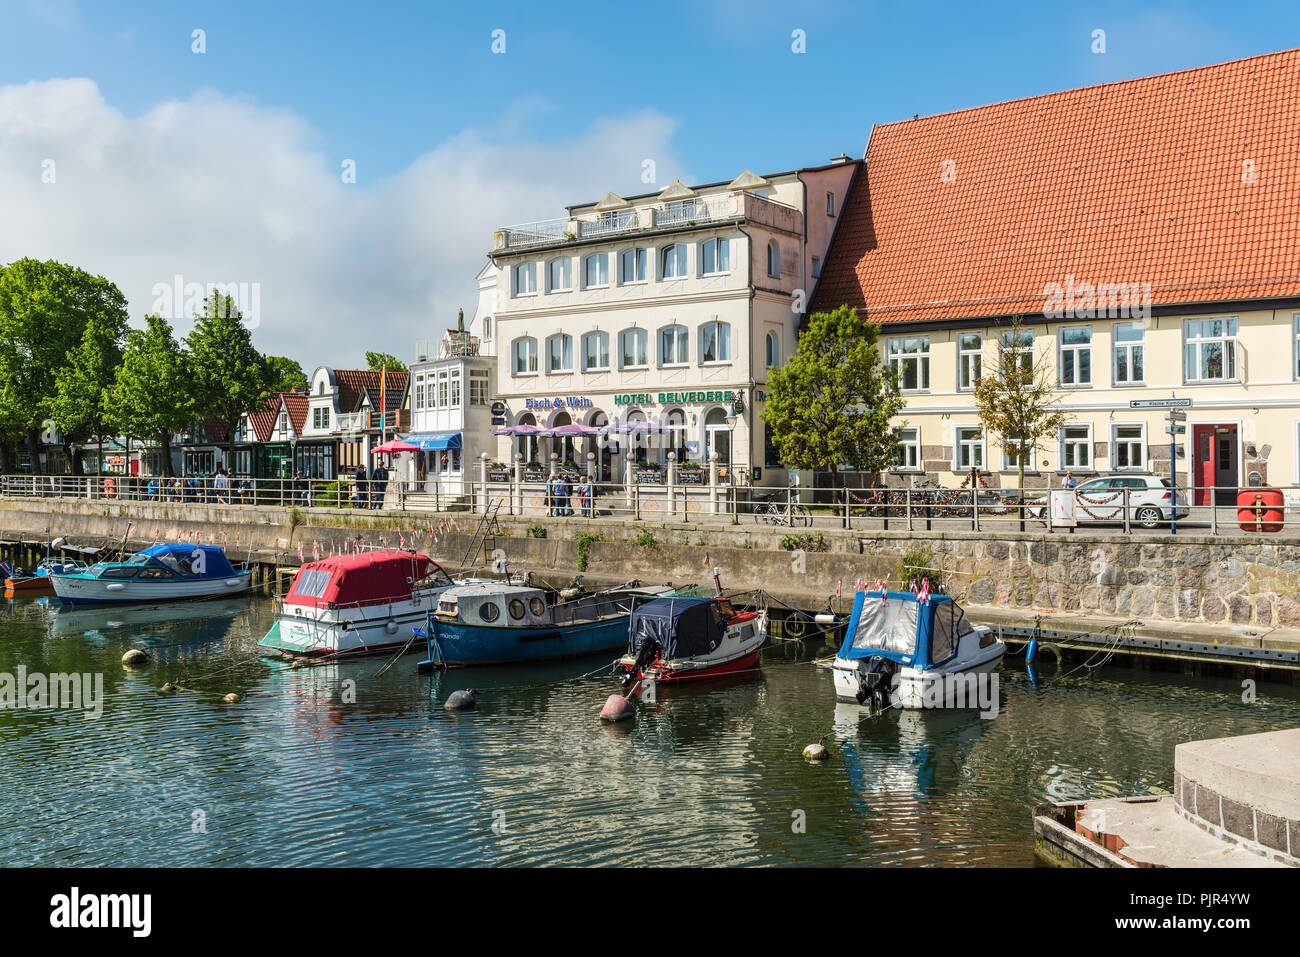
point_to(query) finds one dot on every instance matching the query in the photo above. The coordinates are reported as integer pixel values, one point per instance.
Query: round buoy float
(817, 752)
(460, 701)
(617, 708)
(168, 688)
(134, 657)
(232, 698)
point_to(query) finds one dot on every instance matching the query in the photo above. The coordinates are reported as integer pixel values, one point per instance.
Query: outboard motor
(627, 675)
(873, 684)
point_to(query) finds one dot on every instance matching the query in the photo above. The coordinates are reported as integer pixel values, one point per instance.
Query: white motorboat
(908, 651)
(159, 573)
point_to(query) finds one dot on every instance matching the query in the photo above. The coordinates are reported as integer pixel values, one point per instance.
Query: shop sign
(674, 398)
(559, 402)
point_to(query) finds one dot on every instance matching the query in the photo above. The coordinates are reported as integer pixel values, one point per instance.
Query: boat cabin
(166, 563)
(895, 625)
(683, 627)
(365, 578)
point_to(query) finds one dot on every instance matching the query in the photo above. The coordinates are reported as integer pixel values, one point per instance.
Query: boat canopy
(683, 627)
(363, 578)
(188, 561)
(895, 625)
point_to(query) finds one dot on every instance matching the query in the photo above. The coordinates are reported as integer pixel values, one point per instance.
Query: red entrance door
(1214, 462)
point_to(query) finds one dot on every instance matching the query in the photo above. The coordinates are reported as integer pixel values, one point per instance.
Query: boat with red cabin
(356, 604)
(677, 639)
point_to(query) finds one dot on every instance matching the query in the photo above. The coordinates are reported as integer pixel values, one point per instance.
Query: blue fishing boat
(159, 573)
(497, 623)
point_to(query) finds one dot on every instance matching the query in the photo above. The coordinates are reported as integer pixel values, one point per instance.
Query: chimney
(837, 160)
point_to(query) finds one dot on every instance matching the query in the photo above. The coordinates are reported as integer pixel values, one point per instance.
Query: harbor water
(340, 764)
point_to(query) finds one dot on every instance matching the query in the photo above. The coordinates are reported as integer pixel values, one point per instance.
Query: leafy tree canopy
(382, 360)
(284, 374)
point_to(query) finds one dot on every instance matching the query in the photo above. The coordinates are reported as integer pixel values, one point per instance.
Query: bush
(917, 565)
(645, 540)
(584, 540)
(805, 541)
(536, 531)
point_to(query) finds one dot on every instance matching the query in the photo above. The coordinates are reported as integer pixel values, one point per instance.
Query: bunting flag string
(300, 552)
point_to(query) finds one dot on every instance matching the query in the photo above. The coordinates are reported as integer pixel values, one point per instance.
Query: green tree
(44, 308)
(228, 375)
(1020, 403)
(151, 395)
(79, 407)
(833, 403)
(381, 360)
(284, 375)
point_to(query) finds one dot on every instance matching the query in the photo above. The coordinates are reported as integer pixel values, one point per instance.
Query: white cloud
(222, 189)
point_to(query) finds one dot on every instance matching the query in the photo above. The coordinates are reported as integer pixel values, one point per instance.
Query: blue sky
(707, 88)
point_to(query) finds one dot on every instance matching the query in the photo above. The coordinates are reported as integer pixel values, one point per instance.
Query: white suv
(1150, 500)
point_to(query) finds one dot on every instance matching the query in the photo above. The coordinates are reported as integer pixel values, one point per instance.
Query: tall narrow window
(774, 259)
(1295, 358)
(970, 360)
(560, 275)
(1017, 349)
(525, 356)
(909, 449)
(1128, 446)
(1129, 344)
(715, 256)
(1076, 447)
(595, 352)
(525, 281)
(715, 342)
(632, 346)
(910, 359)
(632, 266)
(773, 350)
(970, 448)
(1075, 363)
(830, 204)
(673, 345)
(559, 353)
(595, 271)
(673, 264)
(1210, 350)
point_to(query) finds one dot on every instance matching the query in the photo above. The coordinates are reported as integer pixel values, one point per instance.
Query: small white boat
(909, 652)
(356, 604)
(677, 639)
(159, 573)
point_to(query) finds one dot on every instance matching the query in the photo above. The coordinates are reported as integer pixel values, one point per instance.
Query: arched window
(773, 350)
(673, 346)
(632, 266)
(633, 349)
(774, 259)
(525, 352)
(715, 342)
(526, 445)
(525, 279)
(487, 327)
(562, 445)
(559, 353)
(595, 271)
(559, 275)
(637, 438)
(595, 352)
(717, 434)
(672, 261)
(715, 257)
(675, 436)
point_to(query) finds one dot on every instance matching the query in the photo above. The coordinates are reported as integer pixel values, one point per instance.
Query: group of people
(368, 491)
(559, 495)
(221, 489)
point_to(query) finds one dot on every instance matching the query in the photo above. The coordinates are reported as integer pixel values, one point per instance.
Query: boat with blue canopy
(159, 573)
(903, 650)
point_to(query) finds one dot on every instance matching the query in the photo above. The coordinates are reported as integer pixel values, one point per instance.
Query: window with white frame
(632, 266)
(487, 327)
(773, 350)
(418, 399)
(816, 267)
(969, 447)
(830, 204)
(525, 279)
(909, 357)
(1012, 454)
(595, 352)
(595, 271)
(1076, 447)
(480, 386)
(1295, 360)
(1075, 362)
(1209, 350)
(1128, 447)
(559, 353)
(970, 360)
(673, 261)
(715, 257)
(1129, 359)
(442, 389)
(909, 450)
(673, 346)
(453, 382)
(525, 351)
(1017, 349)
(774, 259)
(633, 349)
(715, 342)
(559, 275)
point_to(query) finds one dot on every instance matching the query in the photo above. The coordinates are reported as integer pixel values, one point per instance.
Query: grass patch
(536, 531)
(584, 541)
(804, 541)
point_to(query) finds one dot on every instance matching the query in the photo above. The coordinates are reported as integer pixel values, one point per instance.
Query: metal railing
(703, 497)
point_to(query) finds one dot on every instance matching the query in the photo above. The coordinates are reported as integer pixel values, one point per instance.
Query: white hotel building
(666, 308)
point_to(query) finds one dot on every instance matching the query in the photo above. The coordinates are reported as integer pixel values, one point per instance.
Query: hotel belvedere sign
(674, 398)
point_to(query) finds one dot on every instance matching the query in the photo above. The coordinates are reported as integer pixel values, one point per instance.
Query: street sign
(1175, 428)
(1173, 415)
(1160, 403)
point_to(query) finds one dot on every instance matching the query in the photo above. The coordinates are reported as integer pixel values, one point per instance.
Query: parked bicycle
(778, 513)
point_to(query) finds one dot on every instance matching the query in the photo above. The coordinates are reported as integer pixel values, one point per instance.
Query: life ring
(794, 626)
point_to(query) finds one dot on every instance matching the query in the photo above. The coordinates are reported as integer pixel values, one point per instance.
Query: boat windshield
(437, 578)
(139, 559)
(180, 565)
(887, 626)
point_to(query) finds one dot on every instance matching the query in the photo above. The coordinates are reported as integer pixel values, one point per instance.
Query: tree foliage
(228, 375)
(1020, 403)
(284, 375)
(79, 406)
(833, 403)
(151, 393)
(382, 360)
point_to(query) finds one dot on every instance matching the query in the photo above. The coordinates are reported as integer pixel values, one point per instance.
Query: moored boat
(38, 582)
(675, 639)
(913, 651)
(159, 573)
(493, 623)
(356, 604)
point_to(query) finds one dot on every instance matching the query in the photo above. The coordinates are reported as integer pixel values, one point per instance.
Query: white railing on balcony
(353, 421)
(608, 224)
(536, 234)
(668, 215)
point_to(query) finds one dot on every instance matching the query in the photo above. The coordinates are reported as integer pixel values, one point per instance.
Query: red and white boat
(690, 639)
(356, 604)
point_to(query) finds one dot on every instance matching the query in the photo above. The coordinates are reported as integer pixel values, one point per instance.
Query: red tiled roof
(263, 420)
(297, 405)
(1141, 181)
(353, 383)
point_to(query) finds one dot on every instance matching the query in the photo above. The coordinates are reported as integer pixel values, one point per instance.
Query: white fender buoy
(232, 698)
(460, 701)
(817, 752)
(134, 657)
(390, 626)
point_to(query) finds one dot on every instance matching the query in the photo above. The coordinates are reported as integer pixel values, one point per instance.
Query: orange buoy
(617, 708)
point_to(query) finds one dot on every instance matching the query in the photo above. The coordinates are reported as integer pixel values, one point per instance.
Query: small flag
(300, 551)
(924, 594)
(837, 588)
